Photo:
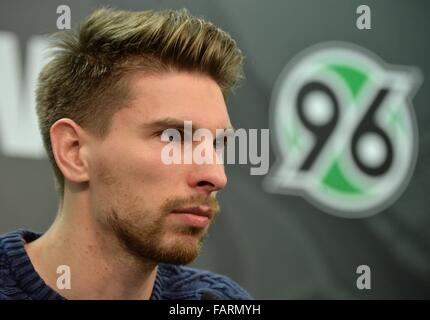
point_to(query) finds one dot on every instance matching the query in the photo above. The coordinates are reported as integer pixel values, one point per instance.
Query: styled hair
(86, 78)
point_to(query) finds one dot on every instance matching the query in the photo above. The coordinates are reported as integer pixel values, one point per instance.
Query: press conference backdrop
(349, 119)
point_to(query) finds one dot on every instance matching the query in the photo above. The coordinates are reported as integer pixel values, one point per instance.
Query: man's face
(158, 212)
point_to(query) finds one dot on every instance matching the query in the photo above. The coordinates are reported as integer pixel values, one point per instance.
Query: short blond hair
(85, 79)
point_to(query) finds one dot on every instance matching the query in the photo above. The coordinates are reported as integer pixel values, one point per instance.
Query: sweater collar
(29, 280)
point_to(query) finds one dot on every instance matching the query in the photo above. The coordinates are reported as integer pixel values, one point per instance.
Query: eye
(221, 141)
(171, 135)
(181, 132)
(171, 138)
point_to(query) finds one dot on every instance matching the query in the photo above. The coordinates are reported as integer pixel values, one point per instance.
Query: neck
(99, 267)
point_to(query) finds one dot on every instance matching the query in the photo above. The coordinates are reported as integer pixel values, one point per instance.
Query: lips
(194, 216)
(204, 211)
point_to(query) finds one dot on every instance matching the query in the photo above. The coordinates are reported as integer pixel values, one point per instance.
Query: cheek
(135, 171)
(156, 178)
(139, 167)
(146, 165)
(106, 165)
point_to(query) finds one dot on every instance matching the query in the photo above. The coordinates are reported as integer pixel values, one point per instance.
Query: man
(127, 222)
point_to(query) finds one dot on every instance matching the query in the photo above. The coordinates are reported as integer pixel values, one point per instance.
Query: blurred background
(276, 246)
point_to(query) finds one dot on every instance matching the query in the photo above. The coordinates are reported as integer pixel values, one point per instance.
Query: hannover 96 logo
(345, 130)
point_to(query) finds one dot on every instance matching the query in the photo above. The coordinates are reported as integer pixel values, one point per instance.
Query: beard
(146, 235)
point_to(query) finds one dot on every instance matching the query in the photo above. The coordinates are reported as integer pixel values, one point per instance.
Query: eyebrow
(174, 123)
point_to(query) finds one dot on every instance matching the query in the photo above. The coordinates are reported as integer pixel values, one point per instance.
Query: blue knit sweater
(19, 280)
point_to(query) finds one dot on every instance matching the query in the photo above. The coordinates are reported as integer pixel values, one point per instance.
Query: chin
(183, 249)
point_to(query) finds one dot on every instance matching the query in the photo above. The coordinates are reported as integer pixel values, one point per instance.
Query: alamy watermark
(209, 149)
(64, 18)
(64, 278)
(364, 280)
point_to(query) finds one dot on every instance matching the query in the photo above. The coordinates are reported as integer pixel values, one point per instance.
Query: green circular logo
(344, 130)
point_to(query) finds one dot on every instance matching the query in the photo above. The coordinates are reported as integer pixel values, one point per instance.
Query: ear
(67, 140)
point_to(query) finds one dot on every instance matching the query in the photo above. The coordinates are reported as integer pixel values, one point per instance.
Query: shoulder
(180, 282)
(6, 279)
(11, 251)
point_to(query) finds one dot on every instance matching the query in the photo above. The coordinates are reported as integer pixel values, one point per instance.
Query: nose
(207, 178)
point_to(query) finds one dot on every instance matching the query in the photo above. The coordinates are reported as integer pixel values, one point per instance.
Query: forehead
(180, 95)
